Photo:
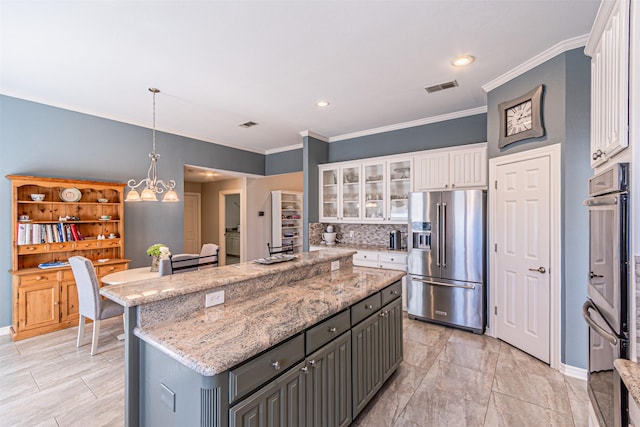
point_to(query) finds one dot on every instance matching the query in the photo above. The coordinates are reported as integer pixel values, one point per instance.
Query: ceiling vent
(441, 86)
(248, 124)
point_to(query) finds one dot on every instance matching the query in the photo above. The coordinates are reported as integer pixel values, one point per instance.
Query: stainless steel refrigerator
(447, 254)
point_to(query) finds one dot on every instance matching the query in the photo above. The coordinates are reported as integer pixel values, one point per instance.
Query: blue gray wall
(464, 130)
(283, 162)
(40, 140)
(315, 152)
(566, 113)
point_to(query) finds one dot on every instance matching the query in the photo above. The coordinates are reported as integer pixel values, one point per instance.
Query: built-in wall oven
(606, 308)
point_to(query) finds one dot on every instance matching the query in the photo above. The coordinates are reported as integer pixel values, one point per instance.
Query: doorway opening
(230, 218)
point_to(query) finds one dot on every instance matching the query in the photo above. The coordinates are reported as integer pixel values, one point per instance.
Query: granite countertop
(358, 247)
(215, 339)
(630, 373)
(143, 292)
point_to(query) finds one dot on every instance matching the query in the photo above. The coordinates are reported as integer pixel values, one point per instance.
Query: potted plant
(157, 251)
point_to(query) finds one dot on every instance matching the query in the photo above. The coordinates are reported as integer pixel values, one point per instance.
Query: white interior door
(523, 255)
(192, 223)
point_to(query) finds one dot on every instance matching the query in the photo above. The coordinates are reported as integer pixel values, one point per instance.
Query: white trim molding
(281, 149)
(307, 132)
(5, 330)
(554, 152)
(540, 58)
(604, 11)
(573, 372)
(413, 123)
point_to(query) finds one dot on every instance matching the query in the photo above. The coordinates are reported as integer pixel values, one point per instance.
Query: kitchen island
(293, 340)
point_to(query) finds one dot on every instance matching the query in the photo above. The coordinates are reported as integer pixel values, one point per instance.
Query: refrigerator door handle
(438, 231)
(443, 235)
(596, 328)
(448, 285)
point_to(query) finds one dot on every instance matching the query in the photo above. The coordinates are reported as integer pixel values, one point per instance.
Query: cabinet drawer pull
(394, 292)
(32, 248)
(276, 365)
(39, 277)
(333, 329)
(368, 307)
(112, 268)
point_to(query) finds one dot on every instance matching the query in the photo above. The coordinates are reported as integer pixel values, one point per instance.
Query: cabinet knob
(393, 292)
(312, 363)
(384, 313)
(304, 369)
(31, 248)
(368, 307)
(446, 186)
(38, 277)
(276, 365)
(333, 330)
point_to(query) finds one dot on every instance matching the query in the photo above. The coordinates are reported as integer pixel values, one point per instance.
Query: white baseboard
(572, 371)
(5, 330)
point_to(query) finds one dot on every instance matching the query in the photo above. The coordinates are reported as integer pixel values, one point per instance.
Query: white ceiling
(221, 63)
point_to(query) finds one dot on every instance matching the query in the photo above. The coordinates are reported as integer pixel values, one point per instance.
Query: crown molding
(307, 132)
(540, 58)
(281, 149)
(414, 123)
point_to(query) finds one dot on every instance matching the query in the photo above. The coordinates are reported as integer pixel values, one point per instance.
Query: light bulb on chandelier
(153, 185)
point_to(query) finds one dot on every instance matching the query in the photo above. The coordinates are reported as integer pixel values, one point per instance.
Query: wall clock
(521, 118)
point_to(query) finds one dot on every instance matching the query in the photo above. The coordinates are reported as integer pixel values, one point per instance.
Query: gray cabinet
(391, 341)
(280, 403)
(376, 352)
(329, 384)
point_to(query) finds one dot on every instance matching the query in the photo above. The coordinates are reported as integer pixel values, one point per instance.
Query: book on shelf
(53, 264)
(29, 233)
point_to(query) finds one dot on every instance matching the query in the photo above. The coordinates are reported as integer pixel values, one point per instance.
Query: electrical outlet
(335, 265)
(214, 298)
(351, 233)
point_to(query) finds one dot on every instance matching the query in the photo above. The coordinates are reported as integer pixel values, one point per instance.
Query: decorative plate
(275, 259)
(70, 194)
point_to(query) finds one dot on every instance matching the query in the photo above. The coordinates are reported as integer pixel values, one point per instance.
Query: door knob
(539, 270)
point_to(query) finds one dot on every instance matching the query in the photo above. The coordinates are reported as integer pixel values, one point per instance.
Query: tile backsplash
(363, 234)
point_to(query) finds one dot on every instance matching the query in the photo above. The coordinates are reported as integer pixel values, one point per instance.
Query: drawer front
(62, 246)
(88, 244)
(365, 308)
(324, 332)
(391, 292)
(31, 249)
(393, 258)
(103, 270)
(110, 243)
(392, 266)
(256, 372)
(32, 279)
(365, 257)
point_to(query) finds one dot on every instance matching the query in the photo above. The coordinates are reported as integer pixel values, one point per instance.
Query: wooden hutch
(67, 222)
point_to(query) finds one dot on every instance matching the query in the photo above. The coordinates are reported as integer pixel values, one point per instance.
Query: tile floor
(448, 378)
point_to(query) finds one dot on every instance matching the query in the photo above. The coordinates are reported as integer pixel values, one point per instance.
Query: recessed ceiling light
(322, 104)
(462, 60)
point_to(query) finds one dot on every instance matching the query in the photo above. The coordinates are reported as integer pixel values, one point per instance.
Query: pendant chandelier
(152, 184)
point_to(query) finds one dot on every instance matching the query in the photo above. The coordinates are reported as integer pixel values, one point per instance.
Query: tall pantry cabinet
(45, 233)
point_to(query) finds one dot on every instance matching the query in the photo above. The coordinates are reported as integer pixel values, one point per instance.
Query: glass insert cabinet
(374, 192)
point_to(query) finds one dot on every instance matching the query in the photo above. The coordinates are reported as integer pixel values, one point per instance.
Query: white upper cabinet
(608, 47)
(452, 169)
(373, 191)
(340, 192)
(432, 171)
